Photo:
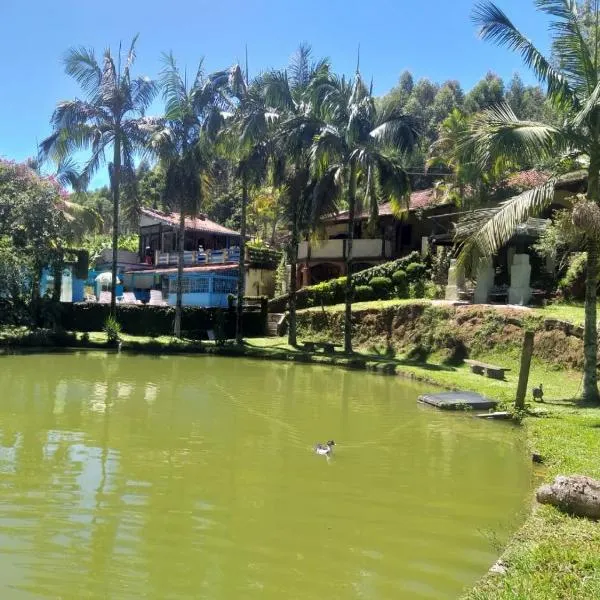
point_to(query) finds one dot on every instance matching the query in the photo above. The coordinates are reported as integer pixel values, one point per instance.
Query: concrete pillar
(520, 277)
(424, 246)
(456, 280)
(485, 281)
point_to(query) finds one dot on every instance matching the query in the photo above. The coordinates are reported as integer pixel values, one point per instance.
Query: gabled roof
(420, 200)
(200, 223)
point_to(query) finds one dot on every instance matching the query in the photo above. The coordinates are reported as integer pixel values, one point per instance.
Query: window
(190, 285)
(224, 285)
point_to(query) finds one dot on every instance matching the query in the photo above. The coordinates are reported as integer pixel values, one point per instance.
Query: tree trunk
(349, 290)
(239, 333)
(180, 257)
(575, 495)
(57, 272)
(292, 341)
(116, 181)
(590, 336)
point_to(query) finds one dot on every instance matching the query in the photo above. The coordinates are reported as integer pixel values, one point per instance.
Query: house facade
(211, 262)
(391, 238)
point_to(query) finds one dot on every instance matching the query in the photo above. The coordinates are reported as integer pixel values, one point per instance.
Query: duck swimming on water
(325, 449)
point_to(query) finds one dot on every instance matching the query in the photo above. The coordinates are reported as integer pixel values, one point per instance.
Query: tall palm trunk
(239, 332)
(292, 341)
(116, 181)
(57, 273)
(349, 241)
(180, 257)
(590, 335)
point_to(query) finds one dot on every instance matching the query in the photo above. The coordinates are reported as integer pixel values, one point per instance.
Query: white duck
(325, 449)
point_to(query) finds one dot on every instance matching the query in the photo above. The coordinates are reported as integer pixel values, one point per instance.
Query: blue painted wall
(211, 281)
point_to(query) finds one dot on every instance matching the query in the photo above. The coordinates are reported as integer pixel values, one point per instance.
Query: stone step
(273, 322)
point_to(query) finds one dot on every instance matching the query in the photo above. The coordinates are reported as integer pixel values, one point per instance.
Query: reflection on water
(129, 477)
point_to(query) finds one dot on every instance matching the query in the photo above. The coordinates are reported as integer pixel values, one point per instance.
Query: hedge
(382, 287)
(158, 320)
(332, 291)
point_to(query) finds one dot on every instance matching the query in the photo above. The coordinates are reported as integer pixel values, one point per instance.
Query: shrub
(434, 291)
(572, 285)
(158, 320)
(112, 328)
(415, 271)
(417, 289)
(382, 287)
(363, 293)
(400, 281)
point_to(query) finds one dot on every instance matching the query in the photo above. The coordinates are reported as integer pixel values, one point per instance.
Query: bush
(382, 287)
(434, 291)
(363, 293)
(417, 289)
(158, 320)
(112, 328)
(415, 271)
(400, 281)
(385, 269)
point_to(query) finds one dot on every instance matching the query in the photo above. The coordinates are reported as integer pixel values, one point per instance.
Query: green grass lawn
(371, 305)
(574, 313)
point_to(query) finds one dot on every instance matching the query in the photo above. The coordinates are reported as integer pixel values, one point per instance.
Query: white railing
(336, 249)
(193, 257)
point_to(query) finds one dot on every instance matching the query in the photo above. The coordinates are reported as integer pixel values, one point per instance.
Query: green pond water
(129, 477)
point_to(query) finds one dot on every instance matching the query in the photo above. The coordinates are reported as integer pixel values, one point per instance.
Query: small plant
(433, 291)
(112, 329)
(417, 289)
(416, 272)
(400, 281)
(382, 287)
(85, 338)
(363, 293)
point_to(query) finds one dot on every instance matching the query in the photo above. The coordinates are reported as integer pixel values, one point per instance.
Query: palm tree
(293, 94)
(357, 155)
(183, 140)
(247, 139)
(111, 116)
(572, 79)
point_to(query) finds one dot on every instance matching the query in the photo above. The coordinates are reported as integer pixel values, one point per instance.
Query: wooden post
(524, 370)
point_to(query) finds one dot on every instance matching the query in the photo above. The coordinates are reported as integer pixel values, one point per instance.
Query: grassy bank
(552, 555)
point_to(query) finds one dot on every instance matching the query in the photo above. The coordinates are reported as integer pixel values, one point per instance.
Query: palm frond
(131, 54)
(485, 231)
(590, 106)
(494, 25)
(395, 129)
(394, 181)
(143, 90)
(69, 173)
(570, 46)
(327, 193)
(329, 146)
(81, 64)
(276, 90)
(497, 133)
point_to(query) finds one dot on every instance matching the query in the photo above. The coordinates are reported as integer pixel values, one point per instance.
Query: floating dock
(458, 401)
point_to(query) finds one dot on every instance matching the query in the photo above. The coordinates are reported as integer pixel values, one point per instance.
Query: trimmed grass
(371, 305)
(573, 313)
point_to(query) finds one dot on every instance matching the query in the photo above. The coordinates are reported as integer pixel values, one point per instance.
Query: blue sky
(431, 38)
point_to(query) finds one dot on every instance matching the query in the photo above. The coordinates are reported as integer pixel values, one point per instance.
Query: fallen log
(576, 495)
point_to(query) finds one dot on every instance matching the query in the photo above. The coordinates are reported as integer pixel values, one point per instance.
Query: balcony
(337, 249)
(193, 258)
(265, 258)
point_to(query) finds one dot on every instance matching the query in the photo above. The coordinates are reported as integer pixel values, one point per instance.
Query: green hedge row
(383, 281)
(158, 320)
